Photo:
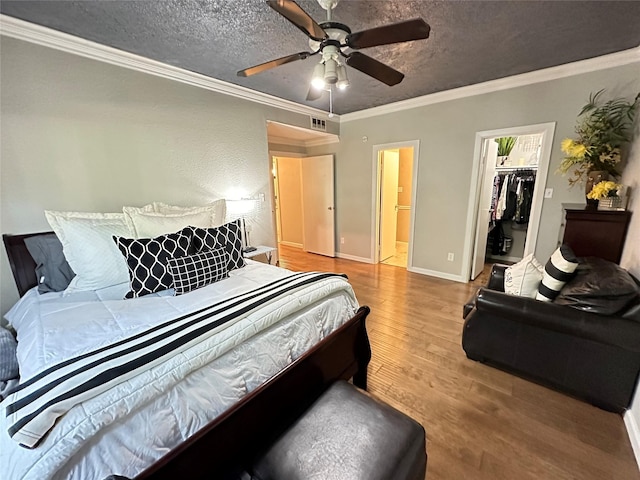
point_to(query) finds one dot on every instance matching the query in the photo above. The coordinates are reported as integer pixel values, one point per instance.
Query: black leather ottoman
(346, 435)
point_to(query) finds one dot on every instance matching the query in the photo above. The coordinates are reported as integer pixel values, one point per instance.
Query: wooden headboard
(22, 264)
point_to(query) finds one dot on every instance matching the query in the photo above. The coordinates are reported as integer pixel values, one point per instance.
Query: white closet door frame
(548, 130)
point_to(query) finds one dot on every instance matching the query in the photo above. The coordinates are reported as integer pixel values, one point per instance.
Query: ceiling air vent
(317, 124)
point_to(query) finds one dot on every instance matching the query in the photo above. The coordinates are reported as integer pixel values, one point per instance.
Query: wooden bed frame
(231, 441)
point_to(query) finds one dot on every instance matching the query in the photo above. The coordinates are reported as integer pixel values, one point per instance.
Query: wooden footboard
(234, 438)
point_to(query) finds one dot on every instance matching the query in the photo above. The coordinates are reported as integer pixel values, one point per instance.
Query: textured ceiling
(470, 41)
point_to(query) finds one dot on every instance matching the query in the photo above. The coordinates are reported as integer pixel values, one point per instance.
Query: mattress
(125, 429)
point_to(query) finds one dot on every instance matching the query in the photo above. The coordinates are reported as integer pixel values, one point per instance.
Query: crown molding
(37, 34)
(32, 33)
(328, 140)
(320, 137)
(316, 142)
(273, 139)
(603, 62)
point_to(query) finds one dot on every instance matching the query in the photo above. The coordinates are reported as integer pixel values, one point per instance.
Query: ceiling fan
(334, 41)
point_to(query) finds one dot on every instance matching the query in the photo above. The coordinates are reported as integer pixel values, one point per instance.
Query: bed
(220, 447)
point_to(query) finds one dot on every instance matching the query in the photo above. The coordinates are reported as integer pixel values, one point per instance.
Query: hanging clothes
(495, 194)
(512, 196)
(502, 198)
(525, 198)
(511, 199)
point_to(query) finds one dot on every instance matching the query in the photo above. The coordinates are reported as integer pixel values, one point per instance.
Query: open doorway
(394, 199)
(304, 202)
(511, 167)
(302, 188)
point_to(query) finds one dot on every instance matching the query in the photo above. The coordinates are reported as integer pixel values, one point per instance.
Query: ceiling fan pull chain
(330, 101)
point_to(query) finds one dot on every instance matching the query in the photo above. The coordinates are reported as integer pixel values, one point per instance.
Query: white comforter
(128, 427)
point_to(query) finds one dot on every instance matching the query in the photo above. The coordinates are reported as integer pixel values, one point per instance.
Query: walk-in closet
(512, 186)
(511, 165)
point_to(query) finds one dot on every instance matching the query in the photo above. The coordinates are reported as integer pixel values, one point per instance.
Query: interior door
(390, 163)
(490, 150)
(276, 198)
(318, 205)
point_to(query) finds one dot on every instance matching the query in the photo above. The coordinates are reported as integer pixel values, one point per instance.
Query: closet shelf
(516, 168)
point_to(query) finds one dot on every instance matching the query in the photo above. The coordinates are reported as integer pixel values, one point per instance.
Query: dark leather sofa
(592, 356)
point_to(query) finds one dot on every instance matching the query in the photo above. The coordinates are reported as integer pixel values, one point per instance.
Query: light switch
(399, 189)
(548, 193)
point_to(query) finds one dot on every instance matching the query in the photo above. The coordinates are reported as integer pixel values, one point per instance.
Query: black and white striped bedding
(36, 405)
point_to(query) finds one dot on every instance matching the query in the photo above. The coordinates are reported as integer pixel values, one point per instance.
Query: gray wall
(447, 134)
(78, 134)
(83, 135)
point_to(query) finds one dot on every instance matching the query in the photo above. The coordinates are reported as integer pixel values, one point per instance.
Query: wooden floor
(481, 423)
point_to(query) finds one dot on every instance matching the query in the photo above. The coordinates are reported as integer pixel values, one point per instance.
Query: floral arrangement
(602, 129)
(604, 189)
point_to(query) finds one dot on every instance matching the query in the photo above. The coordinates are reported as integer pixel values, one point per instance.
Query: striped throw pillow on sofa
(558, 271)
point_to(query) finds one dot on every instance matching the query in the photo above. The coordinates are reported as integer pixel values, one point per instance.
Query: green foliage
(602, 129)
(505, 145)
(609, 123)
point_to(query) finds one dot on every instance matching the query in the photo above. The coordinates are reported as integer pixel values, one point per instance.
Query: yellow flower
(603, 189)
(573, 148)
(567, 145)
(578, 150)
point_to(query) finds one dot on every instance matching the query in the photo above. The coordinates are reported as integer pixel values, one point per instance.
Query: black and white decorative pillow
(227, 236)
(198, 270)
(558, 271)
(147, 261)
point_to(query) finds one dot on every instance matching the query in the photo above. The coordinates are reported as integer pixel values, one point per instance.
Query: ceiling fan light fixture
(343, 80)
(317, 79)
(330, 71)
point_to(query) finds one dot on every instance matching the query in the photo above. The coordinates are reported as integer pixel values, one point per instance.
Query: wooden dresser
(594, 233)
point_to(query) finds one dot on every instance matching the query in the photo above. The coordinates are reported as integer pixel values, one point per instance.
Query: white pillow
(523, 278)
(146, 209)
(218, 210)
(88, 247)
(152, 224)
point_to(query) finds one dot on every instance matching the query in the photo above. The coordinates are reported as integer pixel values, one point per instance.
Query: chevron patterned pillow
(228, 236)
(147, 261)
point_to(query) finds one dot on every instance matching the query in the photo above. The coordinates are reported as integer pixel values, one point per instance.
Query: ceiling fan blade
(247, 72)
(374, 68)
(314, 94)
(415, 29)
(301, 19)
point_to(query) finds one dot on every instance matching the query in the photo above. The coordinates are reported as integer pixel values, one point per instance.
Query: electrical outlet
(341, 240)
(548, 193)
(450, 256)
(261, 197)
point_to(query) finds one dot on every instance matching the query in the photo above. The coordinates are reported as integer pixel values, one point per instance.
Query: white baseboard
(354, 258)
(290, 244)
(434, 273)
(633, 430)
